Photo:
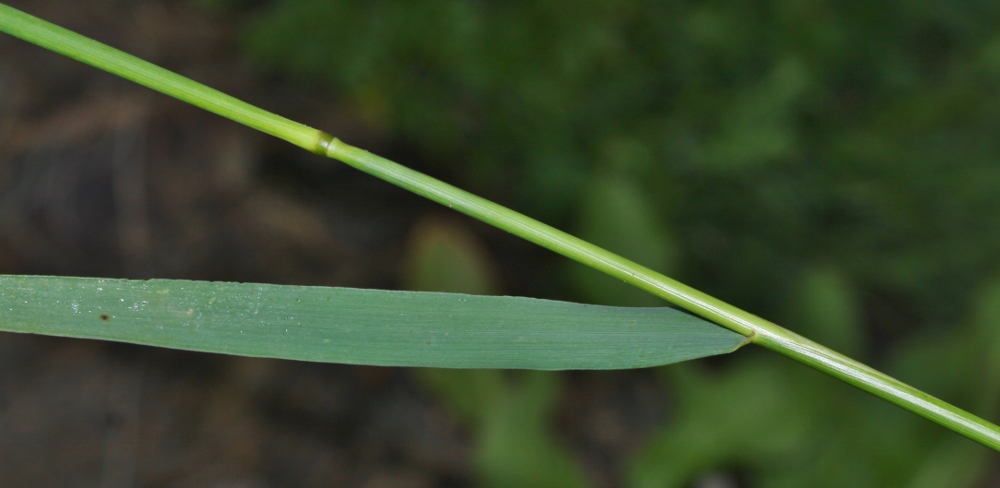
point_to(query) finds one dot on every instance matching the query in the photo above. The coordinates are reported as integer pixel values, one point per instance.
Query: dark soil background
(99, 177)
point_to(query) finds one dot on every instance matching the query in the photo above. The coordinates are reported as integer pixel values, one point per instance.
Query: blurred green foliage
(815, 162)
(767, 135)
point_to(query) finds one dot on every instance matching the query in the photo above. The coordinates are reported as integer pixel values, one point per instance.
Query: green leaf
(443, 255)
(824, 305)
(517, 447)
(618, 216)
(345, 325)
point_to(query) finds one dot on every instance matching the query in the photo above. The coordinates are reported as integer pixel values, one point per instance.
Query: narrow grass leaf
(346, 325)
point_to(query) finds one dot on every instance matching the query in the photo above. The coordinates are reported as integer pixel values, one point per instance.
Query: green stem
(758, 330)
(104, 57)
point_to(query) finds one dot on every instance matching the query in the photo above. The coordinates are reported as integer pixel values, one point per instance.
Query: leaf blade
(355, 326)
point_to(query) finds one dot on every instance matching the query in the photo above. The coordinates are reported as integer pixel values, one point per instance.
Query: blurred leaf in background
(825, 307)
(444, 256)
(508, 412)
(617, 215)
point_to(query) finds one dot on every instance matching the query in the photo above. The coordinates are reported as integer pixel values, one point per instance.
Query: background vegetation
(833, 166)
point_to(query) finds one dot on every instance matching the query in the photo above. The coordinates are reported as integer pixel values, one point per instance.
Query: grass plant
(753, 329)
